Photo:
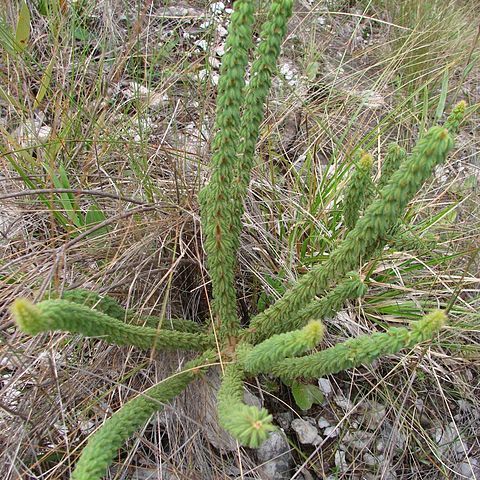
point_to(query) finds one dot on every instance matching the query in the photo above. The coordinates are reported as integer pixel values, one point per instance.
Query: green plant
(279, 339)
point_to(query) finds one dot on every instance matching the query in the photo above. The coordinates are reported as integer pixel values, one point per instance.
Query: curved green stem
(360, 350)
(263, 356)
(103, 445)
(248, 424)
(67, 316)
(112, 308)
(369, 232)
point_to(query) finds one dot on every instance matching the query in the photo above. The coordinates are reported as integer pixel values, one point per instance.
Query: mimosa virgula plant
(279, 340)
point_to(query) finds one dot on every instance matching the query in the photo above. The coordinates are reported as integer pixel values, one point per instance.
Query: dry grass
(137, 159)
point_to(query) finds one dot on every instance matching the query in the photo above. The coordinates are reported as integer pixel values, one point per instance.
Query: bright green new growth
(359, 190)
(248, 424)
(52, 315)
(263, 356)
(275, 337)
(456, 117)
(360, 350)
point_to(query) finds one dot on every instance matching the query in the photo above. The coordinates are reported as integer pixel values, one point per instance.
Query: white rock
(322, 422)
(222, 31)
(344, 403)
(219, 50)
(202, 74)
(32, 133)
(205, 24)
(358, 439)
(86, 426)
(217, 7)
(215, 78)
(341, 461)
(202, 44)
(331, 432)
(325, 386)
(214, 62)
(307, 433)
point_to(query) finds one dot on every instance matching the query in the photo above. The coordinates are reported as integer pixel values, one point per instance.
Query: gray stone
(469, 469)
(373, 460)
(344, 403)
(373, 415)
(275, 456)
(358, 439)
(391, 436)
(331, 432)
(448, 439)
(307, 433)
(284, 419)
(322, 422)
(325, 386)
(341, 461)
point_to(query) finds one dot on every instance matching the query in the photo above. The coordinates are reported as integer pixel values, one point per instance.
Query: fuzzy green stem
(261, 73)
(248, 424)
(359, 190)
(360, 350)
(327, 306)
(103, 445)
(332, 302)
(263, 356)
(112, 308)
(51, 315)
(218, 211)
(456, 117)
(393, 159)
(369, 233)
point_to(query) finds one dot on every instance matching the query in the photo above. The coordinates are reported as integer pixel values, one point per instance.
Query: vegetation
(365, 222)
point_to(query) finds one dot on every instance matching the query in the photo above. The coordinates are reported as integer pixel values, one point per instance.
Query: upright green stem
(263, 68)
(359, 190)
(393, 159)
(218, 211)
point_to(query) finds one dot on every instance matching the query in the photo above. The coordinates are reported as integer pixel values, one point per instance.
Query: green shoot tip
(26, 314)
